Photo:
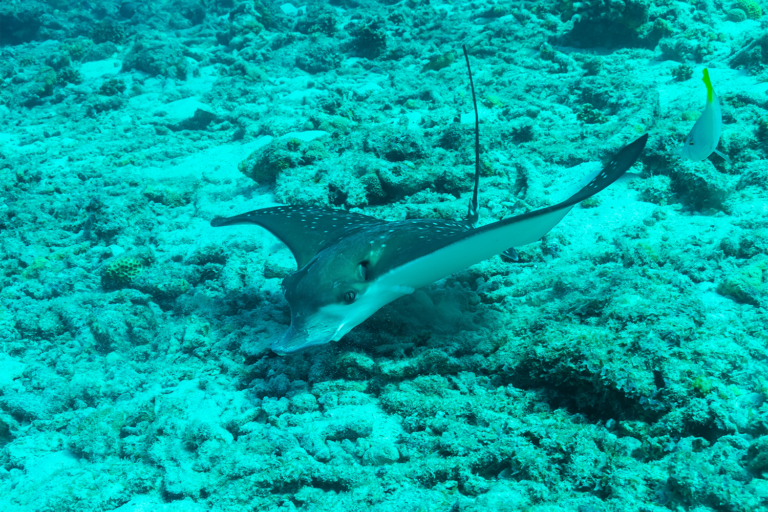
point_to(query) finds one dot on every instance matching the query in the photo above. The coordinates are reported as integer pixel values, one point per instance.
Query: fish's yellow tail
(710, 90)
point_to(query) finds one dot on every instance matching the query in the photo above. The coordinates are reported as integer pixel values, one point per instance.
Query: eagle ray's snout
(316, 330)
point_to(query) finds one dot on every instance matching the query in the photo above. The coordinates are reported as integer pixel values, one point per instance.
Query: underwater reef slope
(619, 364)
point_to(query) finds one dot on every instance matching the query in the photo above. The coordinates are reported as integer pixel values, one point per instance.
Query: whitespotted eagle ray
(350, 265)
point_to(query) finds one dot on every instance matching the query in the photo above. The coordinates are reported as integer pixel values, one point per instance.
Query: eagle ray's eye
(349, 297)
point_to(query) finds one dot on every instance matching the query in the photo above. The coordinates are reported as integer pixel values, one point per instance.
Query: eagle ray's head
(333, 293)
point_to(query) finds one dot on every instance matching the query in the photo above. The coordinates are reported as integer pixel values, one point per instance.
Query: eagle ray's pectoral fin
(306, 230)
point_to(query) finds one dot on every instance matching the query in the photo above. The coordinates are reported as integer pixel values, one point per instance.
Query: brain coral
(122, 271)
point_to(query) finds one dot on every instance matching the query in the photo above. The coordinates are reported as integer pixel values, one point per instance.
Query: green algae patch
(439, 62)
(745, 285)
(690, 115)
(492, 101)
(750, 7)
(43, 263)
(702, 385)
(168, 196)
(33, 271)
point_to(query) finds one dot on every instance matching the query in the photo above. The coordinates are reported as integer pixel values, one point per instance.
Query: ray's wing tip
(621, 162)
(636, 147)
(218, 221)
(628, 155)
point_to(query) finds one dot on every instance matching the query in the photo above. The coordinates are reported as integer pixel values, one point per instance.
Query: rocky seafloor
(618, 365)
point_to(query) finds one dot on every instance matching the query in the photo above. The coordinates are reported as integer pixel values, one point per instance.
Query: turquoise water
(619, 363)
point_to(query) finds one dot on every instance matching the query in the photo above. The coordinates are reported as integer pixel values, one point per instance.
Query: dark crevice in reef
(585, 393)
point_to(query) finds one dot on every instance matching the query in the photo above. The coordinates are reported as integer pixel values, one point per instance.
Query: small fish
(128, 9)
(705, 135)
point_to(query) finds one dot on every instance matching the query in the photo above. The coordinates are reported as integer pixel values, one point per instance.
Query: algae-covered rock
(163, 282)
(109, 329)
(278, 268)
(656, 189)
(69, 75)
(200, 120)
(369, 38)
(455, 180)
(350, 429)
(396, 145)
(41, 85)
(374, 191)
(97, 105)
(315, 446)
(319, 58)
(209, 253)
(266, 163)
(197, 337)
(121, 272)
(762, 129)
(334, 123)
(171, 288)
(303, 403)
(454, 137)
(758, 454)
(245, 25)
(754, 175)
(319, 18)
(682, 72)
(492, 101)
(95, 52)
(98, 435)
(58, 60)
(112, 87)
(401, 180)
(737, 15)
(108, 31)
(274, 406)
(750, 7)
(169, 196)
(753, 244)
(76, 49)
(380, 455)
(157, 56)
(591, 115)
(701, 185)
(745, 285)
(698, 475)
(439, 62)
(354, 365)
